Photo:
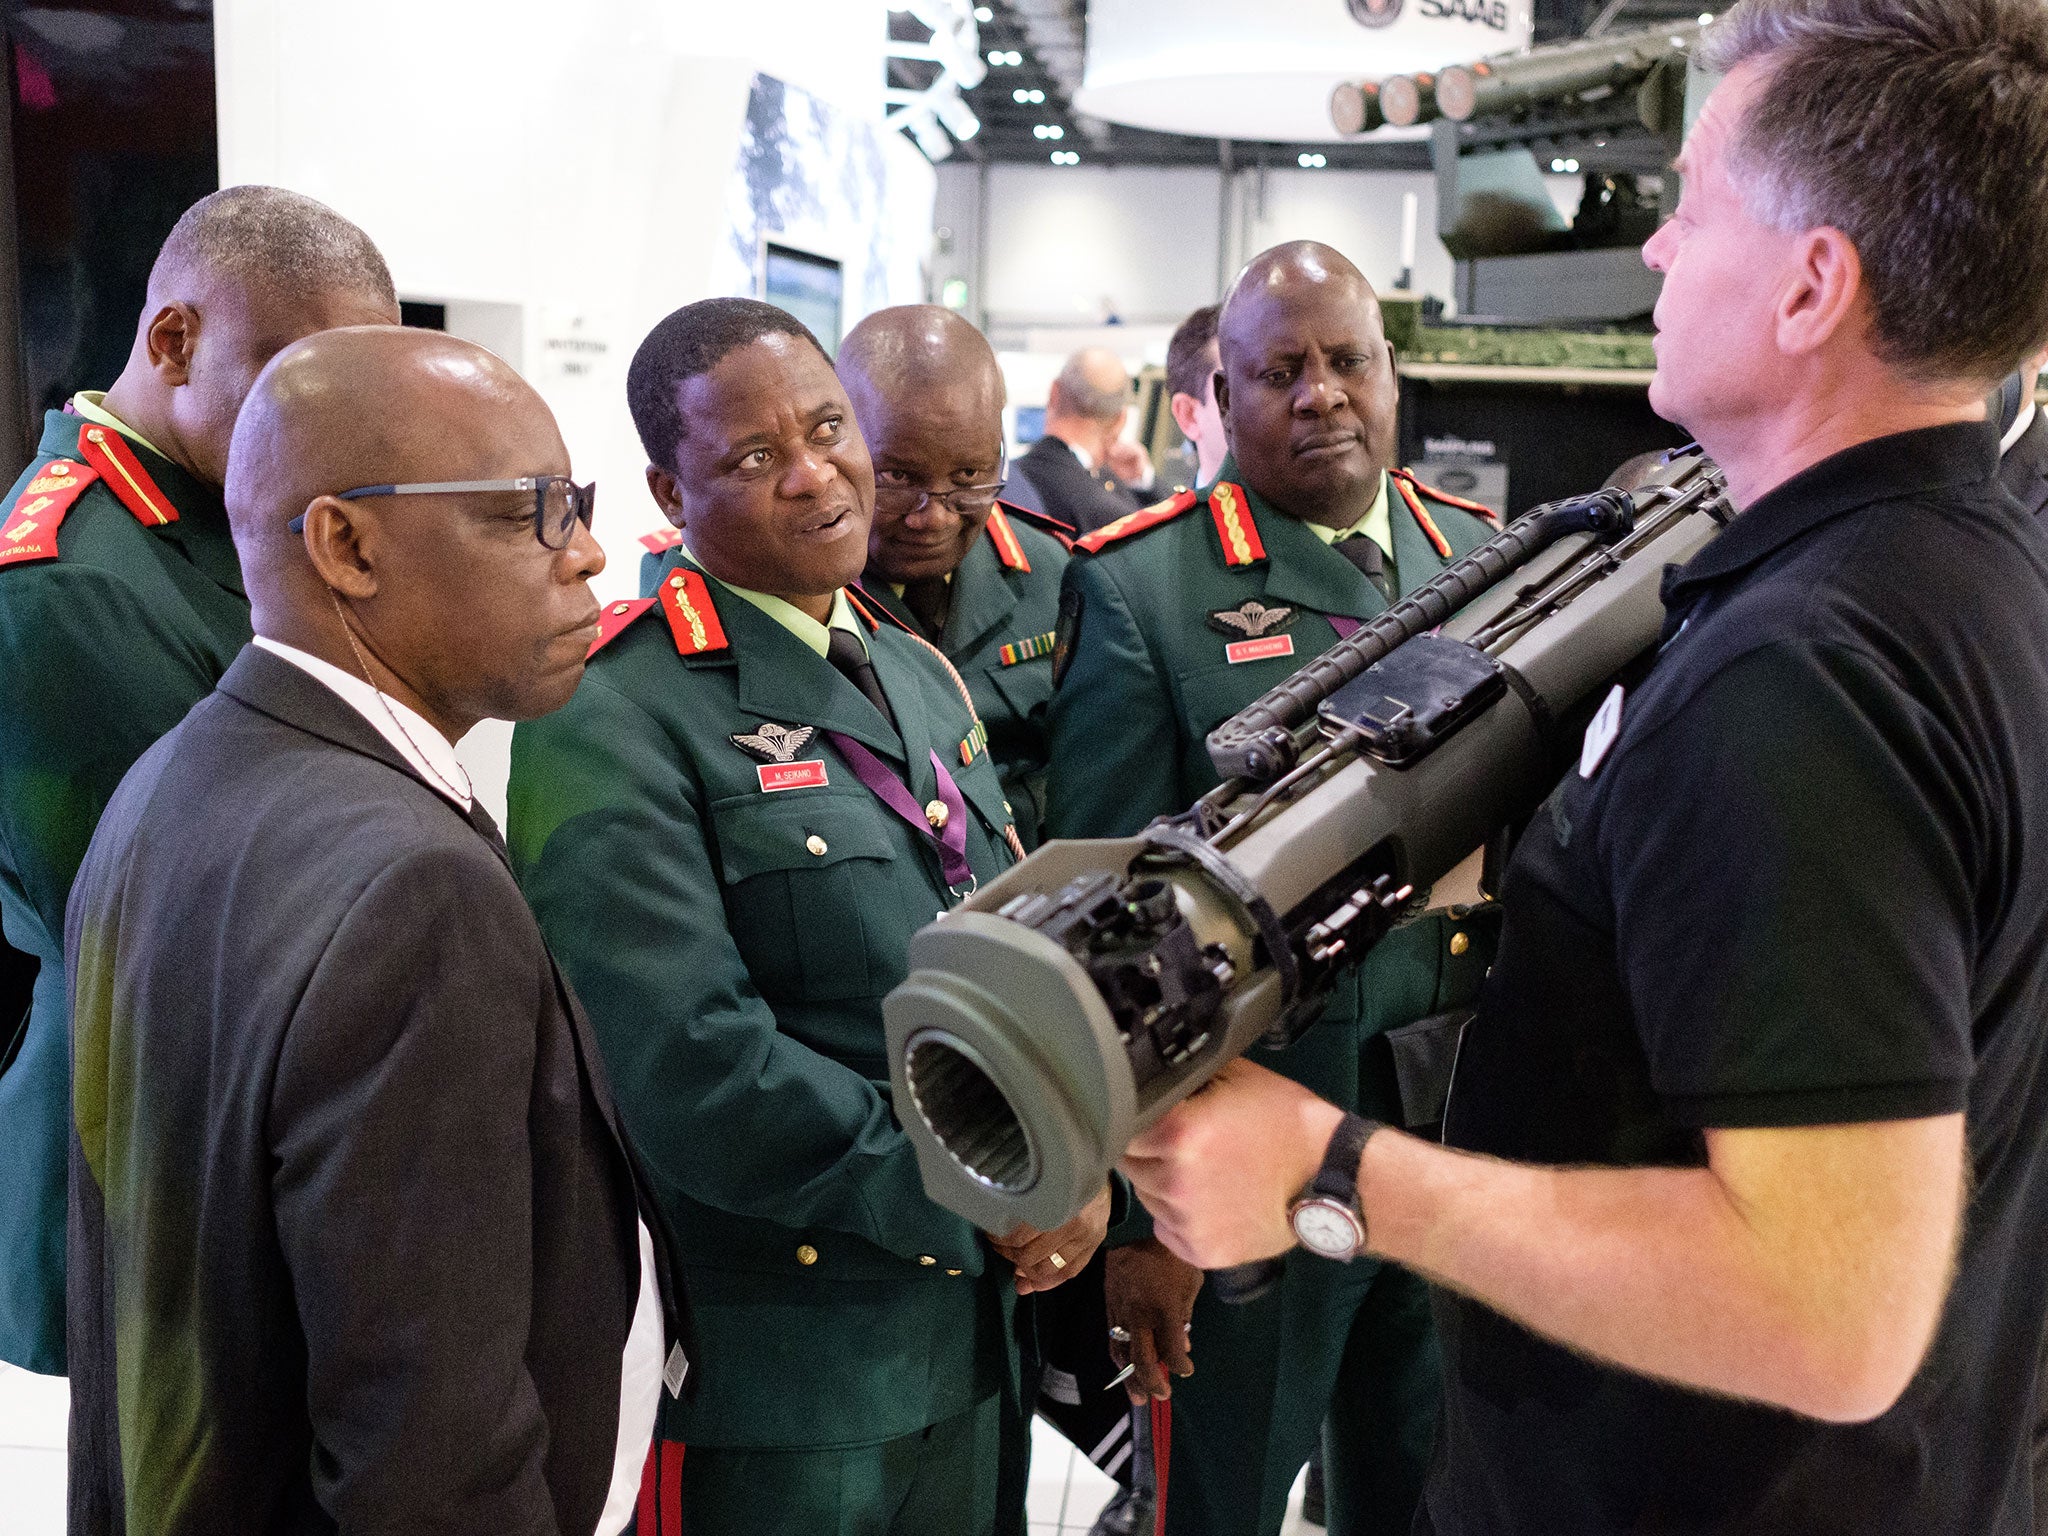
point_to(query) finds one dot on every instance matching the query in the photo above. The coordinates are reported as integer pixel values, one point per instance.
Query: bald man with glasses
(950, 558)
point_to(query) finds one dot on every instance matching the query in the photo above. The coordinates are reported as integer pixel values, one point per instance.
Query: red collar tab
(1434, 534)
(1135, 522)
(661, 541)
(612, 620)
(871, 610)
(1476, 508)
(30, 532)
(1234, 525)
(108, 452)
(686, 602)
(1004, 537)
(1066, 533)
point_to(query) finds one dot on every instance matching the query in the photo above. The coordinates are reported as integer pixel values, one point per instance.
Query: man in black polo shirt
(1755, 1242)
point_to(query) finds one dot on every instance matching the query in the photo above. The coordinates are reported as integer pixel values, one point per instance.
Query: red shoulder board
(1066, 533)
(1476, 508)
(1421, 515)
(1234, 525)
(30, 532)
(661, 541)
(108, 452)
(612, 620)
(686, 600)
(1004, 537)
(872, 612)
(1135, 522)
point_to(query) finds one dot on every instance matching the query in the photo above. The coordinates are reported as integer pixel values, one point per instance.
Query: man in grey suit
(353, 1231)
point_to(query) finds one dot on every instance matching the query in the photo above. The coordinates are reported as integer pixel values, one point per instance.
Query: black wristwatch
(1327, 1218)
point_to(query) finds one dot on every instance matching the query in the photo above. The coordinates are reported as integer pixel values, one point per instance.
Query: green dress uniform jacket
(731, 902)
(999, 635)
(121, 605)
(1172, 620)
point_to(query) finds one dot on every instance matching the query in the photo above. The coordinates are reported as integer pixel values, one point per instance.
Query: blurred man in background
(1191, 364)
(1084, 469)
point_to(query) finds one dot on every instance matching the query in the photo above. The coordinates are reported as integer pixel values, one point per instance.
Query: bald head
(1092, 386)
(269, 242)
(450, 601)
(243, 273)
(372, 405)
(1288, 276)
(1307, 388)
(928, 395)
(916, 353)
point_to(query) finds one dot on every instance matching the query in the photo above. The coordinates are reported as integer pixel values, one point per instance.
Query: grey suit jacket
(352, 1231)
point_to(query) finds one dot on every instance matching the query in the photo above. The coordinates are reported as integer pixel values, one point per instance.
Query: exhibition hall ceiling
(1027, 111)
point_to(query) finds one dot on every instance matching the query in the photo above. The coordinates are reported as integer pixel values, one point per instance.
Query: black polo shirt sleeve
(1790, 859)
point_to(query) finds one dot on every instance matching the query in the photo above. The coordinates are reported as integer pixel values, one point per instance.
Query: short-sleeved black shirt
(1807, 884)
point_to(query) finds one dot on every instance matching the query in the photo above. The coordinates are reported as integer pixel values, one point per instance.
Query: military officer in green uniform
(978, 578)
(1173, 619)
(121, 604)
(729, 834)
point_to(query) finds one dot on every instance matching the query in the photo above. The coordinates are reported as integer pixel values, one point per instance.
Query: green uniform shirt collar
(91, 404)
(792, 618)
(1375, 524)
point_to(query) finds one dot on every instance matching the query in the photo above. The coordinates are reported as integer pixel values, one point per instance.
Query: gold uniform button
(925, 1258)
(622, 607)
(675, 581)
(806, 1254)
(816, 844)
(1460, 942)
(955, 1273)
(936, 813)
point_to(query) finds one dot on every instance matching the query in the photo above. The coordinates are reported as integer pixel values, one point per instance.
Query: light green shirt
(1375, 525)
(792, 618)
(88, 404)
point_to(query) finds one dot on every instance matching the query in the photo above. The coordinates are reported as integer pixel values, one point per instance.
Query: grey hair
(277, 240)
(1082, 398)
(1919, 129)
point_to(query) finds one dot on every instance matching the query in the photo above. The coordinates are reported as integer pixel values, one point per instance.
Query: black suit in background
(2023, 470)
(352, 1229)
(1071, 493)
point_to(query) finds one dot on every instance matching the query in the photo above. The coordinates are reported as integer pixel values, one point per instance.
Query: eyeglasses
(964, 501)
(559, 503)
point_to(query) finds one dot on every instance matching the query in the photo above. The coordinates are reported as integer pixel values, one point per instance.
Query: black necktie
(845, 652)
(929, 601)
(1364, 551)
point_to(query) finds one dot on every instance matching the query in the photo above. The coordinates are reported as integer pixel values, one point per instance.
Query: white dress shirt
(432, 756)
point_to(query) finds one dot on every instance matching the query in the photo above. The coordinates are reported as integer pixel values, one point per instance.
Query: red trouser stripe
(1162, 1455)
(660, 1512)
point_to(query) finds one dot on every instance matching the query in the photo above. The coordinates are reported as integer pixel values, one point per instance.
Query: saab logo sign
(1375, 13)
(1487, 13)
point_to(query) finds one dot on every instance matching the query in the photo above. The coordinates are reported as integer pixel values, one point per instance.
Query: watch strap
(1337, 1179)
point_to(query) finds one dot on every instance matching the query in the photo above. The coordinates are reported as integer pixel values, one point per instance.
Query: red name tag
(1259, 650)
(774, 776)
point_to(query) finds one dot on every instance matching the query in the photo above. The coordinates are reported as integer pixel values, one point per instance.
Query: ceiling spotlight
(1047, 131)
(1706, 18)
(1065, 157)
(1027, 98)
(1311, 162)
(1564, 167)
(983, 13)
(1000, 57)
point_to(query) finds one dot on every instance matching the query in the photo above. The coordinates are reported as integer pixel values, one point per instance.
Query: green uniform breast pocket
(1026, 687)
(1211, 696)
(794, 872)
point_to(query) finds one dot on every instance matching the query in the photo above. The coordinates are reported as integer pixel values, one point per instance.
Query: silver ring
(1055, 1260)
(1119, 1334)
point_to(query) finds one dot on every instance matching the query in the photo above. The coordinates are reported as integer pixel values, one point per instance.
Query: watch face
(1326, 1228)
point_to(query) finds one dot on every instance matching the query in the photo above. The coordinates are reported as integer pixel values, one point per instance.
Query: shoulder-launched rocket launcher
(1077, 998)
